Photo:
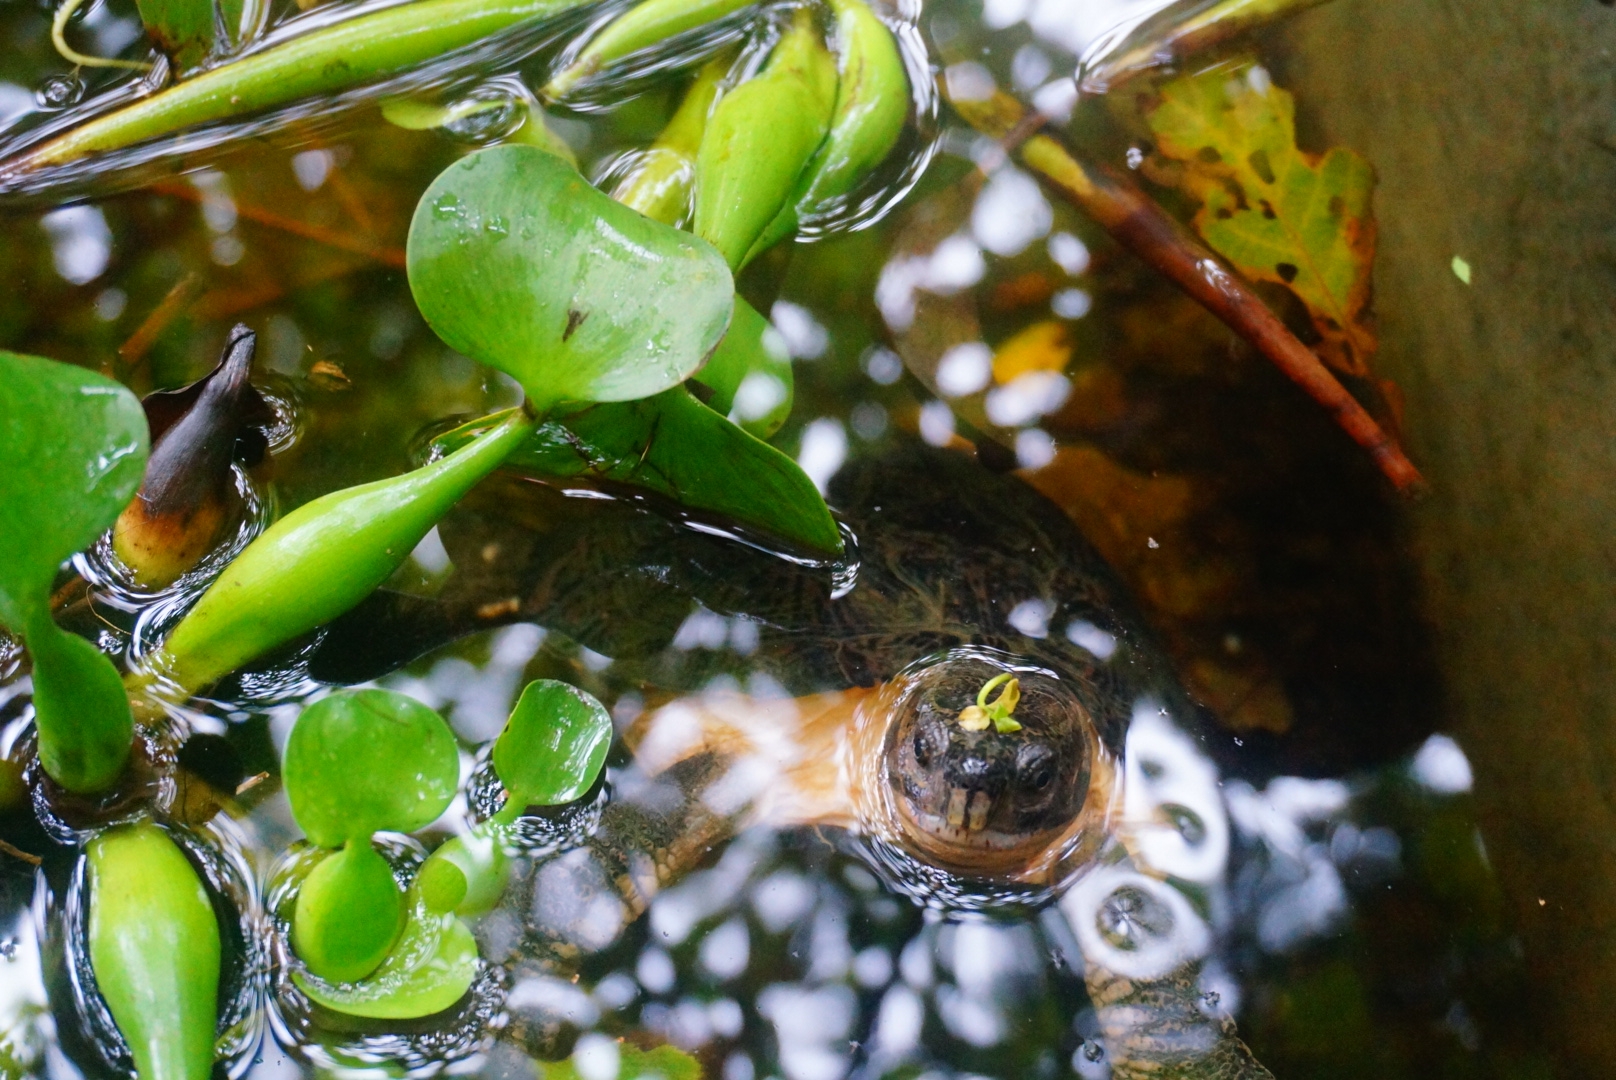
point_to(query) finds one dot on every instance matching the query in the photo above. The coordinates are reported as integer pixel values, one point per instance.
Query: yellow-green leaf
(666, 1062)
(1278, 213)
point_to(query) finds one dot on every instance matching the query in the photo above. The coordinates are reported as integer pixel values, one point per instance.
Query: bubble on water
(60, 91)
(486, 116)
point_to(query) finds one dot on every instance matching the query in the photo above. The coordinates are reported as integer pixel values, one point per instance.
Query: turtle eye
(1035, 767)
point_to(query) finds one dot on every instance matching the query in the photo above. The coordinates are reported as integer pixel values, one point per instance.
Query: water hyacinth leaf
(759, 138)
(517, 262)
(322, 559)
(430, 968)
(348, 913)
(73, 448)
(674, 446)
(553, 745)
(154, 947)
(183, 29)
(666, 1062)
(750, 374)
(1299, 220)
(364, 760)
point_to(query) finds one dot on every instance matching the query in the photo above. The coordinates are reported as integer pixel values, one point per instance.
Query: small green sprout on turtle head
(996, 712)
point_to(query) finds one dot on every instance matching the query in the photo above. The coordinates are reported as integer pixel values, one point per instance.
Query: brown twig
(226, 303)
(133, 351)
(1136, 222)
(389, 256)
(19, 853)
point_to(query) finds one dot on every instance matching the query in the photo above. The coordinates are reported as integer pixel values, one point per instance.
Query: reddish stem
(1136, 222)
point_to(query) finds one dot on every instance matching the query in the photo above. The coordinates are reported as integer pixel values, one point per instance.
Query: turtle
(868, 710)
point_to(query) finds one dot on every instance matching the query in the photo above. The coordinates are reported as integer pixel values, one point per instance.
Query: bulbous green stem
(349, 912)
(659, 187)
(81, 712)
(759, 138)
(640, 28)
(345, 54)
(322, 559)
(467, 874)
(872, 102)
(154, 947)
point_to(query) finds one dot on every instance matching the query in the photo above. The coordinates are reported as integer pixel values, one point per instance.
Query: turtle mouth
(963, 823)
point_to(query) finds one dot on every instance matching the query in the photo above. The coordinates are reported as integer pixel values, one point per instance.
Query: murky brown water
(1336, 877)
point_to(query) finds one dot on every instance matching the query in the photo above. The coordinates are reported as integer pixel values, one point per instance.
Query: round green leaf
(72, 451)
(517, 262)
(363, 760)
(553, 746)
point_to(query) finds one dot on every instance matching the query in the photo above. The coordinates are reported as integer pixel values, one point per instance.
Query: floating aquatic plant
(551, 751)
(356, 763)
(154, 947)
(72, 449)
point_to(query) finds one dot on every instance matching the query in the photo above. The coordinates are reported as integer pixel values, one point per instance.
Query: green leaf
(363, 760)
(73, 448)
(664, 1062)
(72, 451)
(154, 947)
(1299, 220)
(675, 446)
(517, 262)
(430, 968)
(181, 28)
(347, 914)
(750, 374)
(553, 746)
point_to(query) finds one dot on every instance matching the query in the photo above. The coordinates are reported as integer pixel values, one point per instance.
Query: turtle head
(972, 773)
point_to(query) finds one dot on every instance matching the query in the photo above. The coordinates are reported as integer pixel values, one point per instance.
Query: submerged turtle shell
(942, 553)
